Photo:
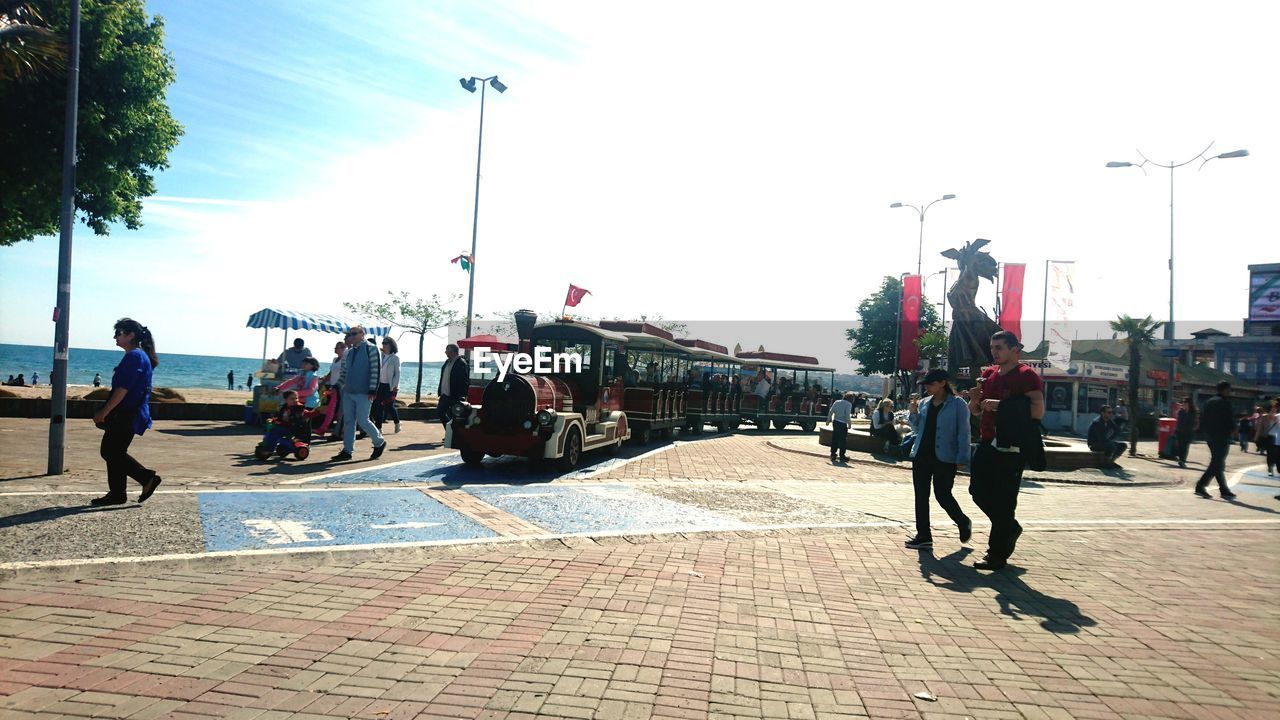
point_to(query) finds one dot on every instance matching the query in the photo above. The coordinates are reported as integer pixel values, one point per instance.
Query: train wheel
(735, 425)
(779, 424)
(472, 457)
(808, 425)
(641, 437)
(762, 424)
(722, 426)
(573, 450)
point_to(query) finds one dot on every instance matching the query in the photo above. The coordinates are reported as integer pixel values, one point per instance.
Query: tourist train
(635, 382)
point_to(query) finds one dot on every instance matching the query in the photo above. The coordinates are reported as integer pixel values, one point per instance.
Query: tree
(1138, 334)
(28, 48)
(413, 315)
(875, 339)
(124, 132)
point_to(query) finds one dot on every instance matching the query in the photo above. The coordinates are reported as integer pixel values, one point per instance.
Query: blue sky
(708, 161)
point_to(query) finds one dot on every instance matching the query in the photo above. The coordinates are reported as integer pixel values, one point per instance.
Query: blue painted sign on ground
(295, 519)
(600, 508)
(448, 468)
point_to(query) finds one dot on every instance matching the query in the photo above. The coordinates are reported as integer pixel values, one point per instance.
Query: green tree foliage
(28, 48)
(875, 338)
(124, 133)
(1138, 333)
(415, 316)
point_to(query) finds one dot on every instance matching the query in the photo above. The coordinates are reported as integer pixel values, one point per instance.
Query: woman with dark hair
(940, 448)
(127, 412)
(388, 385)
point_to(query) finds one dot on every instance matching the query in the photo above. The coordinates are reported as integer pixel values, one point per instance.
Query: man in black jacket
(1102, 435)
(1217, 422)
(454, 378)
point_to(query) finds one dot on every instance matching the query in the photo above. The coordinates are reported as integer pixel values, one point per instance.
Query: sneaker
(966, 531)
(344, 455)
(377, 452)
(1204, 494)
(918, 542)
(987, 563)
(109, 500)
(149, 488)
(1228, 495)
(397, 427)
(844, 458)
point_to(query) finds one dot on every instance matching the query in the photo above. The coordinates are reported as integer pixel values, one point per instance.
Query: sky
(708, 161)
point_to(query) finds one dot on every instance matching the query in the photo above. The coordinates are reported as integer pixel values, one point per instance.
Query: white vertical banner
(1061, 302)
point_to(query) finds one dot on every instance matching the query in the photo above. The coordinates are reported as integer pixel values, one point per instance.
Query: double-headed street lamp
(469, 84)
(921, 213)
(1168, 328)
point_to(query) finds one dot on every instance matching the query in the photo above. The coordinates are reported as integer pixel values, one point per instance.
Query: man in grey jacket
(361, 366)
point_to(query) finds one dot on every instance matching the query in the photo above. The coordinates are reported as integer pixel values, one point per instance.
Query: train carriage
(655, 380)
(557, 415)
(715, 397)
(792, 394)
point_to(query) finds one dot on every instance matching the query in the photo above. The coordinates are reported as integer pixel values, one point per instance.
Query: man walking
(361, 365)
(1102, 435)
(1010, 400)
(454, 378)
(840, 416)
(1217, 422)
(231, 380)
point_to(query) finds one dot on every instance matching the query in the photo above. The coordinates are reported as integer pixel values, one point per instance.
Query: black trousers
(929, 472)
(1218, 448)
(1272, 450)
(446, 402)
(115, 450)
(994, 480)
(384, 406)
(839, 439)
(1184, 446)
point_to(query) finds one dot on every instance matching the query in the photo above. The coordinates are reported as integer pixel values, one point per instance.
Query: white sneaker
(397, 427)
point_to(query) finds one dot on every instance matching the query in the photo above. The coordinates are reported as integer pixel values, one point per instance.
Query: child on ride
(286, 420)
(307, 382)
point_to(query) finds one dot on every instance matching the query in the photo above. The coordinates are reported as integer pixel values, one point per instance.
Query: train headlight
(527, 425)
(460, 410)
(546, 417)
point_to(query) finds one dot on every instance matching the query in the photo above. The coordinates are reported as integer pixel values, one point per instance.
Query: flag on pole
(1061, 303)
(909, 329)
(575, 295)
(463, 261)
(1011, 302)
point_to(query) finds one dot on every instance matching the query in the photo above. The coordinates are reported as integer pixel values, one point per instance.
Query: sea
(175, 371)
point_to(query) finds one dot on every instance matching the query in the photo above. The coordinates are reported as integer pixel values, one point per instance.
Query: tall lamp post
(1171, 166)
(921, 213)
(469, 84)
(62, 311)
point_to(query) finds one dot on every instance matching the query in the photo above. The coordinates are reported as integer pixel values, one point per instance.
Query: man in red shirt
(996, 471)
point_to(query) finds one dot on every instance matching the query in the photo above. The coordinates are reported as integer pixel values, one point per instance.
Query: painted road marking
(601, 508)
(254, 520)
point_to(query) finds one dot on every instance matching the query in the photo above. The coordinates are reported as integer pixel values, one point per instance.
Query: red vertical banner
(1011, 302)
(909, 326)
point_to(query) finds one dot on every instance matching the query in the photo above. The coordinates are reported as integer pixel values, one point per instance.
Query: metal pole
(944, 300)
(62, 311)
(1168, 329)
(920, 252)
(1044, 313)
(475, 216)
(897, 334)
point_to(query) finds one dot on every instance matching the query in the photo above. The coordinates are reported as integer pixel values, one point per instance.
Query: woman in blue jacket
(942, 444)
(127, 413)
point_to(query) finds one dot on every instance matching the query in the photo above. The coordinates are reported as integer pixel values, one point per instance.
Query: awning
(490, 342)
(296, 320)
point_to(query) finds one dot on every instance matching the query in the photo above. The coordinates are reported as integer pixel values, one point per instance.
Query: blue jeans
(355, 411)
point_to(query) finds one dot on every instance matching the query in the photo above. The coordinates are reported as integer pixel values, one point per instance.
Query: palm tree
(1138, 334)
(27, 46)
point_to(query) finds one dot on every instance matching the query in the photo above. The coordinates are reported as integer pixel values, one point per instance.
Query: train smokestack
(525, 320)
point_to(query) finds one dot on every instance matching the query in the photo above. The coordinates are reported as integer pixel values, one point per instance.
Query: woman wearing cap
(127, 412)
(941, 446)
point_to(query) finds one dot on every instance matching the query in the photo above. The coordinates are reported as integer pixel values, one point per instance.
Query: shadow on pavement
(213, 430)
(1016, 597)
(417, 447)
(53, 513)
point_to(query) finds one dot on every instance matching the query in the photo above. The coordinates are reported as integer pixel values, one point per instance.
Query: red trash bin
(1165, 428)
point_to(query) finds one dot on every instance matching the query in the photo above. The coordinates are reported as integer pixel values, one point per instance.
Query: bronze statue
(969, 345)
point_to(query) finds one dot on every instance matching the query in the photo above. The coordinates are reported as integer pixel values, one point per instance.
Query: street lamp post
(921, 213)
(1171, 166)
(897, 332)
(469, 84)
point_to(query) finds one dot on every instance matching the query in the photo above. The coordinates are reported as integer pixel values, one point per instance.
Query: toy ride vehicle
(284, 439)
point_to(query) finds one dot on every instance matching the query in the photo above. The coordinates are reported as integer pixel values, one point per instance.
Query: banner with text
(1061, 302)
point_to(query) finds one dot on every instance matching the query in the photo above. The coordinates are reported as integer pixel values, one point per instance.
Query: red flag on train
(463, 261)
(909, 328)
(1011, 302)
(575, 295)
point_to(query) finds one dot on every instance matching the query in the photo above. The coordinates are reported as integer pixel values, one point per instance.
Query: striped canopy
(295, 320)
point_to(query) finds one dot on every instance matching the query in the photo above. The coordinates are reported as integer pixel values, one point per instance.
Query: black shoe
(1228, 495)
(844, 459)
(109, 500)
(344, 455)
(377, 452)
(149, 488)
(1013, 541)
(987, 563)
(919, 542)
(1202, 493)
(966, 531)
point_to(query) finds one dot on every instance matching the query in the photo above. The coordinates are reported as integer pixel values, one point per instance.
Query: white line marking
(340, 473)
(412, 524)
